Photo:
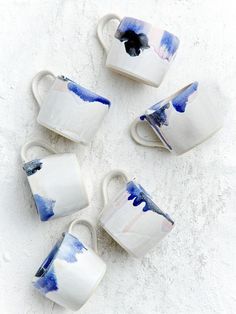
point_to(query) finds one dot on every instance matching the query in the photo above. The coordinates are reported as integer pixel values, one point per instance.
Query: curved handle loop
(28, 145)
(108, 178)
(35, 82)
(140, 140)
(91, 228)
(100, 27)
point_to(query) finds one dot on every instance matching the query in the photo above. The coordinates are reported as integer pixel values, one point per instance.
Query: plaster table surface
(193, 269)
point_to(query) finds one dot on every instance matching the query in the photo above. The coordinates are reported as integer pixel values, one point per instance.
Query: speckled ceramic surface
(56, 183)
(70, 109)
(185, 119)
(71, 272)
(139, 50)
(132, 218)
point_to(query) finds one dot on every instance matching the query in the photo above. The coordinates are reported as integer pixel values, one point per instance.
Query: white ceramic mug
(70, 109)
(72, 271)
(183, 120)
(56, 182)
(139, 50)
(132, 218)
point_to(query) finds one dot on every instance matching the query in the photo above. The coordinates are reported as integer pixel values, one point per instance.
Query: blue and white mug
(139, 50)
(132, 218)
(70, 109)
(183, 120)
(56, 182)
(72, 271)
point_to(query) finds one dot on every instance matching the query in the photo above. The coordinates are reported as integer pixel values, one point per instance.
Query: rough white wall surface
(193, 269)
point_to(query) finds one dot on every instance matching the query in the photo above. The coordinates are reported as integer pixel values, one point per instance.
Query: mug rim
(148, 23)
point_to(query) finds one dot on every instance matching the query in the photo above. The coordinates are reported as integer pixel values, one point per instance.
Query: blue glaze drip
(181, 100)
(170, 43)
(44, 206)
(86, 95)
(131, 32)
(32, 167)
(139, 195)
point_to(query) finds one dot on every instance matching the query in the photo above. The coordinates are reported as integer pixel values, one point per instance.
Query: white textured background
(193, 269)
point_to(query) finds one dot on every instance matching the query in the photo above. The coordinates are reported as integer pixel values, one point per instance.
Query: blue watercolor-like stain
(139, 195)
(131, 32)
(180, 101)
(44, 206)
(129, 23)
(170, 43)
(32, 166)
(71, 246)
(65, 249)
(47, 283)
(84, 93)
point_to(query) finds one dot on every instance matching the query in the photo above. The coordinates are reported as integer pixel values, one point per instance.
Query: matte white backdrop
(193, 269)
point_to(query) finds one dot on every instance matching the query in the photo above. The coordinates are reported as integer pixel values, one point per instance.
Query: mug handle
(100, 27)
(107, 180)
(140, 140)
(90, 227)
(29, 144)
(35, 82)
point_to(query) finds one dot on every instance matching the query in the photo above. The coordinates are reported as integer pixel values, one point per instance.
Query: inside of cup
(43, 269)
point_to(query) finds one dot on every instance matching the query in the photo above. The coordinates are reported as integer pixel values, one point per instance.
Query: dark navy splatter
(139, 195)
(131, 32)
(44, 206)
(169, 43)
(159, 116)
(181, 100)
(32, 167)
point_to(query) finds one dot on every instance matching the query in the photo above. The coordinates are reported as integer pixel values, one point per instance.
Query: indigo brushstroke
(132, 33)
(84, 93)
(139, 195)
(32, 167)
(65, 249)
(44, 206)
(181, 100)
(168, 46)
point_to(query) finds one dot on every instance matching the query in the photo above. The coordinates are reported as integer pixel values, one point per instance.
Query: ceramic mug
(72, 271)
(56, 182)
(70, 109)
(132, 218)
(139, 50)
(183, 120)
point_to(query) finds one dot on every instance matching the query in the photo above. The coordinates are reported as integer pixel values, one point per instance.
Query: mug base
(92, 292)
(132, 76)
(64, 134)
(119, 242)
